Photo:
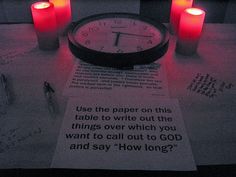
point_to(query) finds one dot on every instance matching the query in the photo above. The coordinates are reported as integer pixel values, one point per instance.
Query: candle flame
(41, 5)
(183, 2)
(194, 11)
(59, 3)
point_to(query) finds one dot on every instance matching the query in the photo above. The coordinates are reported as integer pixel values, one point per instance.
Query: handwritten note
(2, 110)
(2, 101)
(209, 86)
(15, 136)
(143, 79)
(130, 134)
(11, 47)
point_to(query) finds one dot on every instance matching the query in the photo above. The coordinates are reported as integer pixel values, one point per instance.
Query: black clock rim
(118, 60)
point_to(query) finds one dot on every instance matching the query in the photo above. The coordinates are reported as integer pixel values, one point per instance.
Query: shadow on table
(203, 171)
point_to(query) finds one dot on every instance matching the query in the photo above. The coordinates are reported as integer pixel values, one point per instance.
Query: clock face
(118, 40)
(118, 35)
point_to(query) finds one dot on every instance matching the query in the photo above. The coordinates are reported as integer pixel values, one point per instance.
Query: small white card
(123, 134)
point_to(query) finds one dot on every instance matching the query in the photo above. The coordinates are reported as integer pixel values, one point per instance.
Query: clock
(118, 40)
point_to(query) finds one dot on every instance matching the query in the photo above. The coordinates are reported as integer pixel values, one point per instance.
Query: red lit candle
(190, 28)
(177, 7)
(45, 25)
(63, 14)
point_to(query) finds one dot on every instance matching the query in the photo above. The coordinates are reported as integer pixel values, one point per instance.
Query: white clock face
(118, 35)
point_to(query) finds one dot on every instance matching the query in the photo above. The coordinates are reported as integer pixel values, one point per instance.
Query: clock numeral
(119, 51)
(117, 21)
(145, 28)
(87, 42)
(102, 23)
(139, 48)
(133, 23)
(101, 48)
(84, 33)
(149, 42)
(93, 29)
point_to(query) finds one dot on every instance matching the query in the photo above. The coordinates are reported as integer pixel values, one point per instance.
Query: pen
(49, 91)
(6, 88)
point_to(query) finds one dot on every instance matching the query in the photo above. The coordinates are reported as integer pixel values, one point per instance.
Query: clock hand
(117, 38)
(118, 27)
(131, 34)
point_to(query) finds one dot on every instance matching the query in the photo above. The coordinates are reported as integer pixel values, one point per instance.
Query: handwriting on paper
(208, 86)
(16, 136)
(8, 56)
(5, 61)
(2, 104)
(2, 110)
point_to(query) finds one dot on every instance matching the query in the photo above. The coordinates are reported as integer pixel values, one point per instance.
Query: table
(209, 121)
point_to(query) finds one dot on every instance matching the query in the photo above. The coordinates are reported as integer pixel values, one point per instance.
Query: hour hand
(117, 38)
(131, 34)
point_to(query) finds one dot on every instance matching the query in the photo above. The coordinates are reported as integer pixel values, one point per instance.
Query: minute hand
(131, 34)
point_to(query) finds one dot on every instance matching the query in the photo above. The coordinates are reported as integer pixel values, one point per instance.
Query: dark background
(217, 11)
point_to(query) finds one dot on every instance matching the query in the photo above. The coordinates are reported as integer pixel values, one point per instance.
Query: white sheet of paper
(123, 134)
(143, 80)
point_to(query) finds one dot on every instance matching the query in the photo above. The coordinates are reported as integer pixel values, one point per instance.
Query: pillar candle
(177, 7)
(190, 29)
(45, 25)
(63, 14)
